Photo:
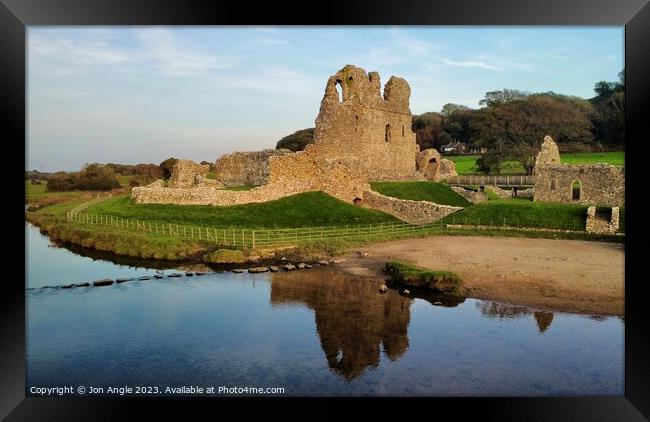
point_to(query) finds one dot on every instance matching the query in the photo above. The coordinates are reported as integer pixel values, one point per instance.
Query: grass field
(302, 210)
(310, 209)
(439, 193)
(524, 213)
(466, 164)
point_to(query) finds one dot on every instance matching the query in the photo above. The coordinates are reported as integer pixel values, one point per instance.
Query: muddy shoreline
(571, 276)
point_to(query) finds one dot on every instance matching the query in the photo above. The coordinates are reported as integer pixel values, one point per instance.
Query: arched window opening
(576, 190)
(357, 201)
(339, 90)
(387, 135)
(402, 131)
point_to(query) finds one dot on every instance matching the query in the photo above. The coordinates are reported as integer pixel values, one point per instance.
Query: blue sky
(143, 94)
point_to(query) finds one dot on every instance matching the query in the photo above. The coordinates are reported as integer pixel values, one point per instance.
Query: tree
(93, 177)
(605, 89)
(297, 141)
(458, 124)
(516, 129)
(497, 98)
(450, 108)
(429, 132)
(609, 111)
(167, 166)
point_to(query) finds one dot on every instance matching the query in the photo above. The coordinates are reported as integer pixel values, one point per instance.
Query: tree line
(103, 177)
(511, 124)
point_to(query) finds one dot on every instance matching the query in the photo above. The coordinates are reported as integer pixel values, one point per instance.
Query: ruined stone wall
(186, 173)
(246, 168)
(601, 226)
(300, 174)
(472, 196)
(601, 184)
(366, 131)
(416, 212)
(431, 166)
(548, 154)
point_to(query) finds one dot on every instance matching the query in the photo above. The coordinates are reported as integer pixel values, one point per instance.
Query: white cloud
(161, 47)
(272, 41)
(61, 56)
(470, 63)
(413, 44)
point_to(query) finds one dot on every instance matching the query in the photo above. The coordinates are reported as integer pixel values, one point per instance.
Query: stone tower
(369, 132)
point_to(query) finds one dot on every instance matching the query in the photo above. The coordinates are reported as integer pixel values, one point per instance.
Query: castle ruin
(361, 135)
(588, 184)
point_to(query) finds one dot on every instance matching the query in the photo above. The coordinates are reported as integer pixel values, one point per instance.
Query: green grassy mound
(523, 213)
(439, 193)
(301, 210)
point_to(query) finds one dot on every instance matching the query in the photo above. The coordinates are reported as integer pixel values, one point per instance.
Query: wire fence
(271, 238)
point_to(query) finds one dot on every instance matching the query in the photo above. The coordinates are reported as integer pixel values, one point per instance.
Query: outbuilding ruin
(588, 184)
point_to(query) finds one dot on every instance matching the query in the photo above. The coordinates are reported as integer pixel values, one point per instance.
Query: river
(312, 332)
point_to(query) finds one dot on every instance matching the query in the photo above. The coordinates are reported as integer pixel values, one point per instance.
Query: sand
(559, 275)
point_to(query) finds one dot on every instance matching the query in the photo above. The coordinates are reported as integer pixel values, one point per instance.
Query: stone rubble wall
(186, 173)
(447, 169)
(596, 225)
(526, 193)
(246, 168)
(298, 175)
(416, 212)
(602, 184)
(472, 196)
(431, 166)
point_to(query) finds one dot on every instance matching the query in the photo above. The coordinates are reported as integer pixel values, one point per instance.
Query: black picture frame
(16, 15)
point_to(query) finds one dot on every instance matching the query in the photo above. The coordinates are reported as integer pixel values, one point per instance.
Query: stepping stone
(158, 276)
(289, 267)
(323, 262)
(258, 270)
(67, 286)
(103, 282)
(238, 270)
(302, 266)
(274, 269)
(338, 261)
(175, 275)
(123, 280)
(144, 277)
(199, 273)
(86, 284)
(189, 274)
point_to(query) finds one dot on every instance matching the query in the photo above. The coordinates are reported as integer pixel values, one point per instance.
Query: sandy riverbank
(562, 275)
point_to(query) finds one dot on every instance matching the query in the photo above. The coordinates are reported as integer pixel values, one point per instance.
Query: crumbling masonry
(588, 184)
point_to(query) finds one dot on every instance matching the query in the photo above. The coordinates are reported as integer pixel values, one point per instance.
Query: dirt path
(562, 275)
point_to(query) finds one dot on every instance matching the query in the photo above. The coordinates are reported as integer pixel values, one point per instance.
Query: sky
(136, 94)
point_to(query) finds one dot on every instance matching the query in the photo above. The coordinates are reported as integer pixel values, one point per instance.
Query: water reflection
(353, 319)
(500, 310)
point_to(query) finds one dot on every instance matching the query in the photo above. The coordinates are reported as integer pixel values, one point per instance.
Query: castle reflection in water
(355, 322)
